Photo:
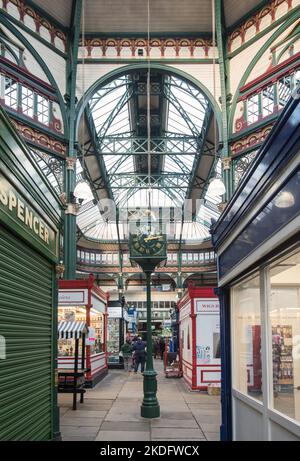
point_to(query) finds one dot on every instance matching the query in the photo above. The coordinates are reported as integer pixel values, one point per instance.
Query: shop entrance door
(26, 359)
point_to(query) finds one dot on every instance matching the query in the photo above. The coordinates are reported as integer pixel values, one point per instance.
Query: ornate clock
(148, 248)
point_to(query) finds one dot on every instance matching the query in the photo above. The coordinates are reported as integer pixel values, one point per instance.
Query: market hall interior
(149, 220)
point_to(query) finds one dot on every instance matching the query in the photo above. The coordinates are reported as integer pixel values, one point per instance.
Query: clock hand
(147, 239)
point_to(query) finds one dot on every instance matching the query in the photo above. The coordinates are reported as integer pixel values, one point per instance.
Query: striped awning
(71, 330)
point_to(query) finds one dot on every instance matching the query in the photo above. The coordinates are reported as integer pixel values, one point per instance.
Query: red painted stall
(82, 300)
(199, 333)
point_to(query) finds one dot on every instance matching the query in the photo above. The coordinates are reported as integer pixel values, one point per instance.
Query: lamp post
(148, 248)
(150, 406)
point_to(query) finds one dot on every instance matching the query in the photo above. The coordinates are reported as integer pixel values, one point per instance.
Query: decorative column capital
(71, 162)
(221, 206)
(226, 163)
(72, 208)
(59, 269)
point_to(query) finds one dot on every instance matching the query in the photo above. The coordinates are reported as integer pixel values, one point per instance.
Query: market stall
(199, 332)
(116, 332)
(82, 301)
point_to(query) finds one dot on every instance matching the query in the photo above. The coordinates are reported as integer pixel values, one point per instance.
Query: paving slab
(84, 414)
(212, 436)
(82, 422)
(209, 427)
(173, 433)
(110, 436)
(179, 415)
(204, 418)
(177, 423)
(68, 431)
(125, 426)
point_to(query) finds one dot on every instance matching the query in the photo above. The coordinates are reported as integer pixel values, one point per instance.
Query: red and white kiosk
(82, 300)
(199, 337)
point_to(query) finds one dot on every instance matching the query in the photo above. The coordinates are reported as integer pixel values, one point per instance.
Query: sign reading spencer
(16, 208)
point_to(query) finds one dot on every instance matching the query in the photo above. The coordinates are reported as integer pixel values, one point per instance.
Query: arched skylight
(179, 117)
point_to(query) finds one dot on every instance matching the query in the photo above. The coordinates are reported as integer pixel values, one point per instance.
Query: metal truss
(120, 150)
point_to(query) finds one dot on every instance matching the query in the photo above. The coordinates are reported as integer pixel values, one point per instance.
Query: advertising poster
(208, 332)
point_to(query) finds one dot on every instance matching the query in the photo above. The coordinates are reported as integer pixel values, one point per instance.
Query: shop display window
(284, 335)
(246, 320)
(113, 339)
(78, 314)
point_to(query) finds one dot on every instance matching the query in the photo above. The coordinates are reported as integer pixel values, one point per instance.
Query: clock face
(148, 245)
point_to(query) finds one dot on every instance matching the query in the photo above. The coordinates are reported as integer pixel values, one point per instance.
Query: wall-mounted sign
(165, 287)
(73, 297)
(98, 304)
(114, 312)
(22, 215)
(207, 306)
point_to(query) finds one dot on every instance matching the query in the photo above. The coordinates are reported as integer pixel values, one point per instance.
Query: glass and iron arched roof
(181, 152)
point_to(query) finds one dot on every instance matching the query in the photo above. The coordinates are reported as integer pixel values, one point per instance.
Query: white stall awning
(71, 330)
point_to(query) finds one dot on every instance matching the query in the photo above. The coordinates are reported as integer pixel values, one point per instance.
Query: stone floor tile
(125, 426)
(178, 423)
(71, 431)
(174, 433)
(85, 414)
(82, 422)
(209, 427)
(212, 436)
(111, 436)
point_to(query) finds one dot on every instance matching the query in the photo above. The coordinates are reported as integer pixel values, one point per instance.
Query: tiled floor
(111, 411)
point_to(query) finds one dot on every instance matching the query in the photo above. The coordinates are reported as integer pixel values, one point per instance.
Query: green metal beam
(224, 75)
(70, 173)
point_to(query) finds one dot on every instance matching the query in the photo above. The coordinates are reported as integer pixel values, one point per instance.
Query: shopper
(155, 348)
(139, 348)
(162, 347)
(126, 350)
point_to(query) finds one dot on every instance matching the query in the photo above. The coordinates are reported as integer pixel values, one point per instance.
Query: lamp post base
(150, 406)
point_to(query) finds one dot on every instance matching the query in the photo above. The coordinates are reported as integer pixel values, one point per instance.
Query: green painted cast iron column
(70, 166)
(150, 406)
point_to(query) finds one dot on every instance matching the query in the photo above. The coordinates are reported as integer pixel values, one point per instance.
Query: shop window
(253, 111)
(43, 109)
(284, 335)
(268, 105)
(247, 369)
(11, 93)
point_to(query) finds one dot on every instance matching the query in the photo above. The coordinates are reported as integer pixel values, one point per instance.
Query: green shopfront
(30, 219)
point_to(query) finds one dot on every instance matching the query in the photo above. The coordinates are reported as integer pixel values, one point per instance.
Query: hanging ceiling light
(216, 187)
(83, 191)
(284, 199)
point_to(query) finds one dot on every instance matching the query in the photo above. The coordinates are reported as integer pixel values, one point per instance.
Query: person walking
(139, 348)
(162, 347)
(155, 348)
(126, 350)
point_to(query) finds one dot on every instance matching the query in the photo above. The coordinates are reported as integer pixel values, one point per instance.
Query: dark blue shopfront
(257, 243)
